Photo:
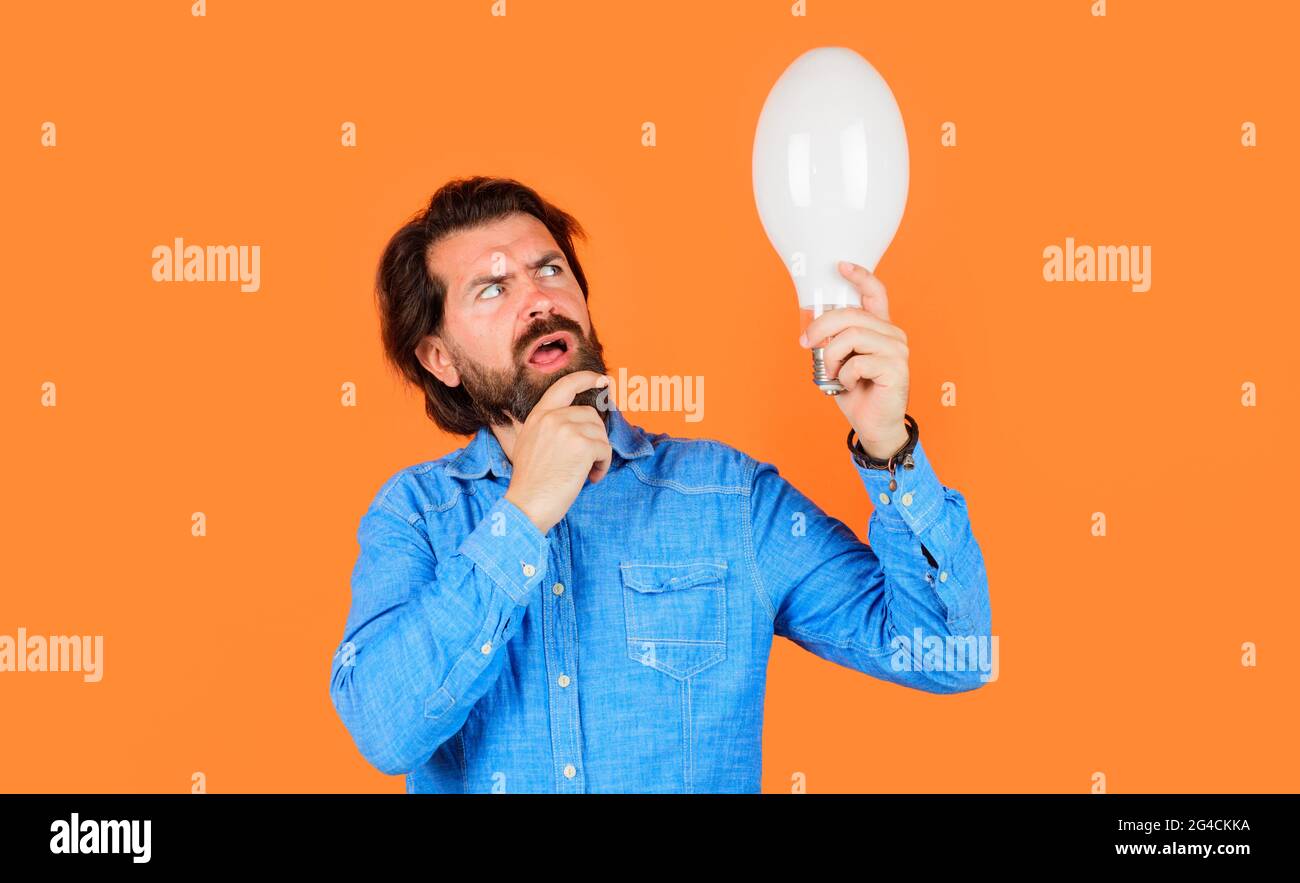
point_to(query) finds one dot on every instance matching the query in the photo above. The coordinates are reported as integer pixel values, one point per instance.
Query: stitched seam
(954, 612)
(443, 507)
(464, 759)
(393, 510)
(963, 622)
(424, 510)
(388, 489)
(569, 658)
(884, 524)
(550, 619)
(850, 644)
(469, 659)
(712, 582)
(684, 489)
(575, 725)
(434, 700)
(746, 517)
(492, 570)
(721, 564)
(703, 580)
(688, 758)
(923, 517)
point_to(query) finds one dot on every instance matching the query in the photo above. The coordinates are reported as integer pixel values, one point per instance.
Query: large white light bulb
(830, 177)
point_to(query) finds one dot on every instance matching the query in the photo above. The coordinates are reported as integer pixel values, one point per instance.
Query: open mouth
(551, 352)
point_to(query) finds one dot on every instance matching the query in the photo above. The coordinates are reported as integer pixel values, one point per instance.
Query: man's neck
(506, 435)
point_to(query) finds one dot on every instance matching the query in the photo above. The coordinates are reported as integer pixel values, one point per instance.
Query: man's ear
(433, 355)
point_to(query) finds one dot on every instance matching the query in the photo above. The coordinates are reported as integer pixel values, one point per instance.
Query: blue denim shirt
(626, 649)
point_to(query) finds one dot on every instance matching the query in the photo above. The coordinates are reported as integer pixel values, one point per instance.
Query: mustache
(543, 327)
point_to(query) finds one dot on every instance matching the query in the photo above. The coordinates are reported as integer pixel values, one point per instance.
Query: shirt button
(564, 680)
(569, 771)
(943, 577)
(884, 497)
(907, 498)
(558, 588)
(529, 570)
(486, 648)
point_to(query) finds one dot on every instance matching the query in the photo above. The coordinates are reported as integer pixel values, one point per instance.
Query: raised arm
(866, 606)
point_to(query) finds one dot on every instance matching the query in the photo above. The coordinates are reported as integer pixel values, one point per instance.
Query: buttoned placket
(560, 643)
(560, 631)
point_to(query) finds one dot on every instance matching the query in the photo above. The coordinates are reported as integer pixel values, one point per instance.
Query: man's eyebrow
(487, 279)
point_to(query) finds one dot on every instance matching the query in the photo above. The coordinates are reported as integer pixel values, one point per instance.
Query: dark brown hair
(411, 298)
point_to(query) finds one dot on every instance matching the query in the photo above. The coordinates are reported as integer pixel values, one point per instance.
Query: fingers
(598, 447)
(873, 311)
(861, 340)
(584, 415)
(600, 465)
(864, 367)
(589, 424)
(832, 322)
(560, 393)
(581, 420)
(579, 427)
(869, 286)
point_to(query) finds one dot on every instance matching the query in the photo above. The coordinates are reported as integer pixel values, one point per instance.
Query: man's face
(514, 320)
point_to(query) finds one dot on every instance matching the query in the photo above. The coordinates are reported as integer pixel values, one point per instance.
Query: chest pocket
(676, 614)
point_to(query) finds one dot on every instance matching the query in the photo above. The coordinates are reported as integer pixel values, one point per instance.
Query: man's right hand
(557, 449)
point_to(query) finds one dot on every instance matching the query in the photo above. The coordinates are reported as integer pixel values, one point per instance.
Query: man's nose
(536, 302)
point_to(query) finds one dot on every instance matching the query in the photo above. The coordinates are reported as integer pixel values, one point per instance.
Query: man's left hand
(868, 355)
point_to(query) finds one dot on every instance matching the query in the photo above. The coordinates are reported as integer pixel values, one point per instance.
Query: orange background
(1118, 654)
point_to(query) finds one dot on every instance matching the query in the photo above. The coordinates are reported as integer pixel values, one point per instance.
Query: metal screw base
(824, 381)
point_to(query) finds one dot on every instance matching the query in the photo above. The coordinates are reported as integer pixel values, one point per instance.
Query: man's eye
(484, 295)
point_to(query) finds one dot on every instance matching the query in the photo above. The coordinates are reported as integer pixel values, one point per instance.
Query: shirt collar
(484, 452)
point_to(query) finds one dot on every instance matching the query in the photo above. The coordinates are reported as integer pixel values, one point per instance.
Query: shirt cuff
(915, 504)
(509, 548)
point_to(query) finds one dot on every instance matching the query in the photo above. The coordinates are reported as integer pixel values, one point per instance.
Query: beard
(499, 394)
